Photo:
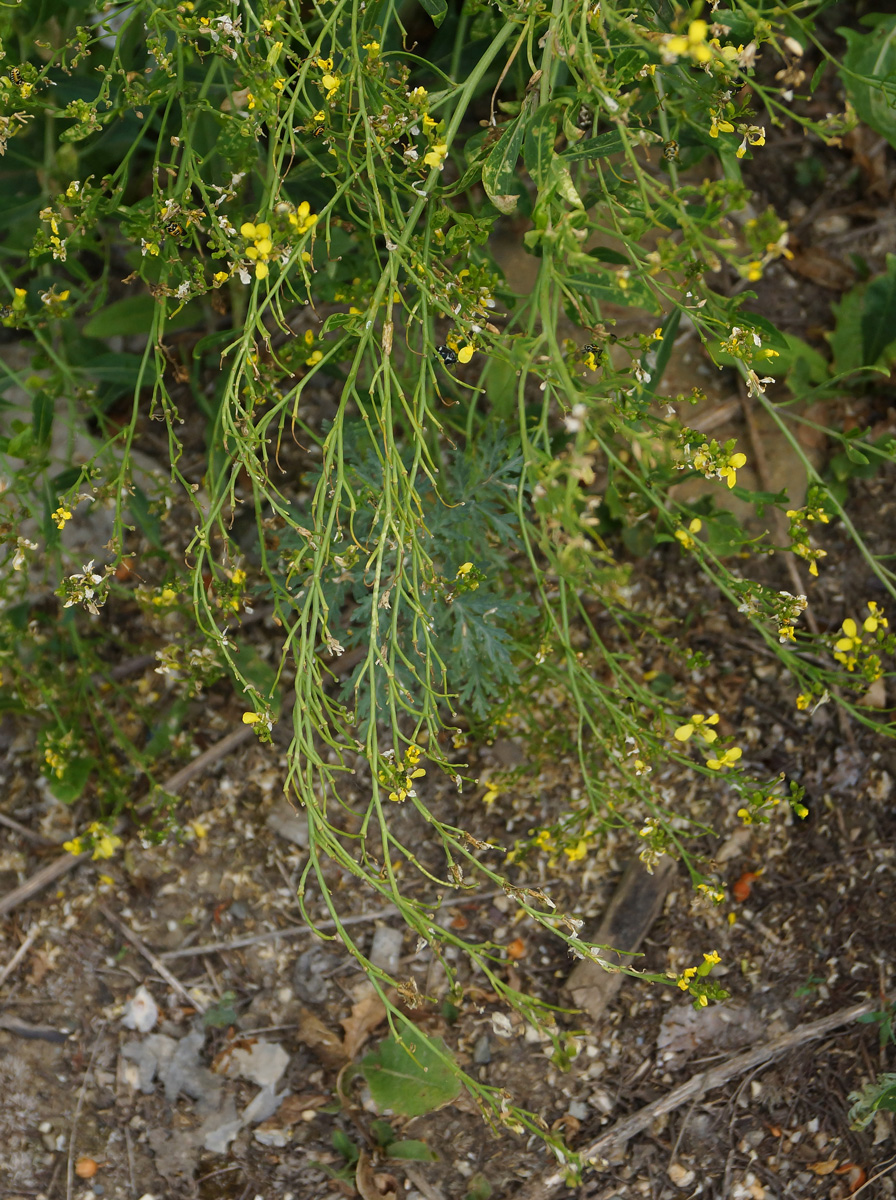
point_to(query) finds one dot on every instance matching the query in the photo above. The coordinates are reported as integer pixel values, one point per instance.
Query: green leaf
(436, 9)
(115, 368)
(70, 787)
(410, 1081)
(655, 360)
(43, 408)
(222, 1014)
(136, 314)
(604, 286)
(879, 315)
(541, 136)
(601, 146)
(868, 65)
(854, 455)
(412, 1149)
(499, 171)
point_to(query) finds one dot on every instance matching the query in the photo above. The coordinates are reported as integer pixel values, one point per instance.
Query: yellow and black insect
(16, 76)
(173, 228)
(5, 311)
(670, 151)
(321, 129)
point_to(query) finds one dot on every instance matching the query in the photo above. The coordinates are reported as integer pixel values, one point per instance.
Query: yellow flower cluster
(690, 976)
(262, 246)
(400, 778)
(104, 842)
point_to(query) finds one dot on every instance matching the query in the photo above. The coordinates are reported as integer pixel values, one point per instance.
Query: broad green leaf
(499, 171)
(115, 368)
(656, 358)
(604, 286)
(561, 182)
(43, 408)
(135, 314)
(541, 135)
(70, 787)
(879, 315)
(410, 1083)
(436, 9)
(869, 73)
(601, 146)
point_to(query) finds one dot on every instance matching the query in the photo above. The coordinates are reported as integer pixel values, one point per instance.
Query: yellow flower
(577, 852)
(313, 358)
(465, 354)
(876, 620)
(331, 85)
(712, 958)
(105, 845)
(436, 156)
(251, 718)
(693, 44)
(303, 218)
(802, 702)
(325, 64)
(719, 124)
(728, 470)
(75, 846)
(373, 49)
(464, 569)
(61, 515)
(726, 759)
(220, 276)
(683, 732)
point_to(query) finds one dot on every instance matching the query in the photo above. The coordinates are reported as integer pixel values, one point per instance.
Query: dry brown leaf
(374, 1185)
(827, 1167)
(320, 1040)
(293, 1108)
(822, 268)
(366, 1015)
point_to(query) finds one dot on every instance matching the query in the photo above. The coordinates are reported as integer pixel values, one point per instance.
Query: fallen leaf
(365, 1016)
(827, 1167)
(856, 1174)
(293, 1108)
(743, 886)
(374, 1185)
(86, 1168)
(320, 1040)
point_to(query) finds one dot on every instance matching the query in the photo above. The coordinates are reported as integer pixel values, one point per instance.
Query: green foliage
(410, 1079)
(266, 361)
(879, 1096)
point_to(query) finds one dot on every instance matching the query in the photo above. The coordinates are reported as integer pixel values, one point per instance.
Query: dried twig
(545, 1185)
(37, 838)
(41, 879)
(19, 954)
(271, 935)
(153, 959)
(70, 1162)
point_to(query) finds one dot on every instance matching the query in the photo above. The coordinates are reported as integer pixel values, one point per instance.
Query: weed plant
(267, 230)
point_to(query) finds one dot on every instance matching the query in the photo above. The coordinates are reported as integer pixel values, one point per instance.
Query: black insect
(16, 76)
(590, 348)
(447, 355)
(5, 311)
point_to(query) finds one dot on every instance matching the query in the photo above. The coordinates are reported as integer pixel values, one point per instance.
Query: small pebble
(482, 1051)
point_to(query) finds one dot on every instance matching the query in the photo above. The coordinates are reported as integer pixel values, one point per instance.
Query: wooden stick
(41, 879)
(19, 954)
(37, 838)
(153, 959)
(545, 1185)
